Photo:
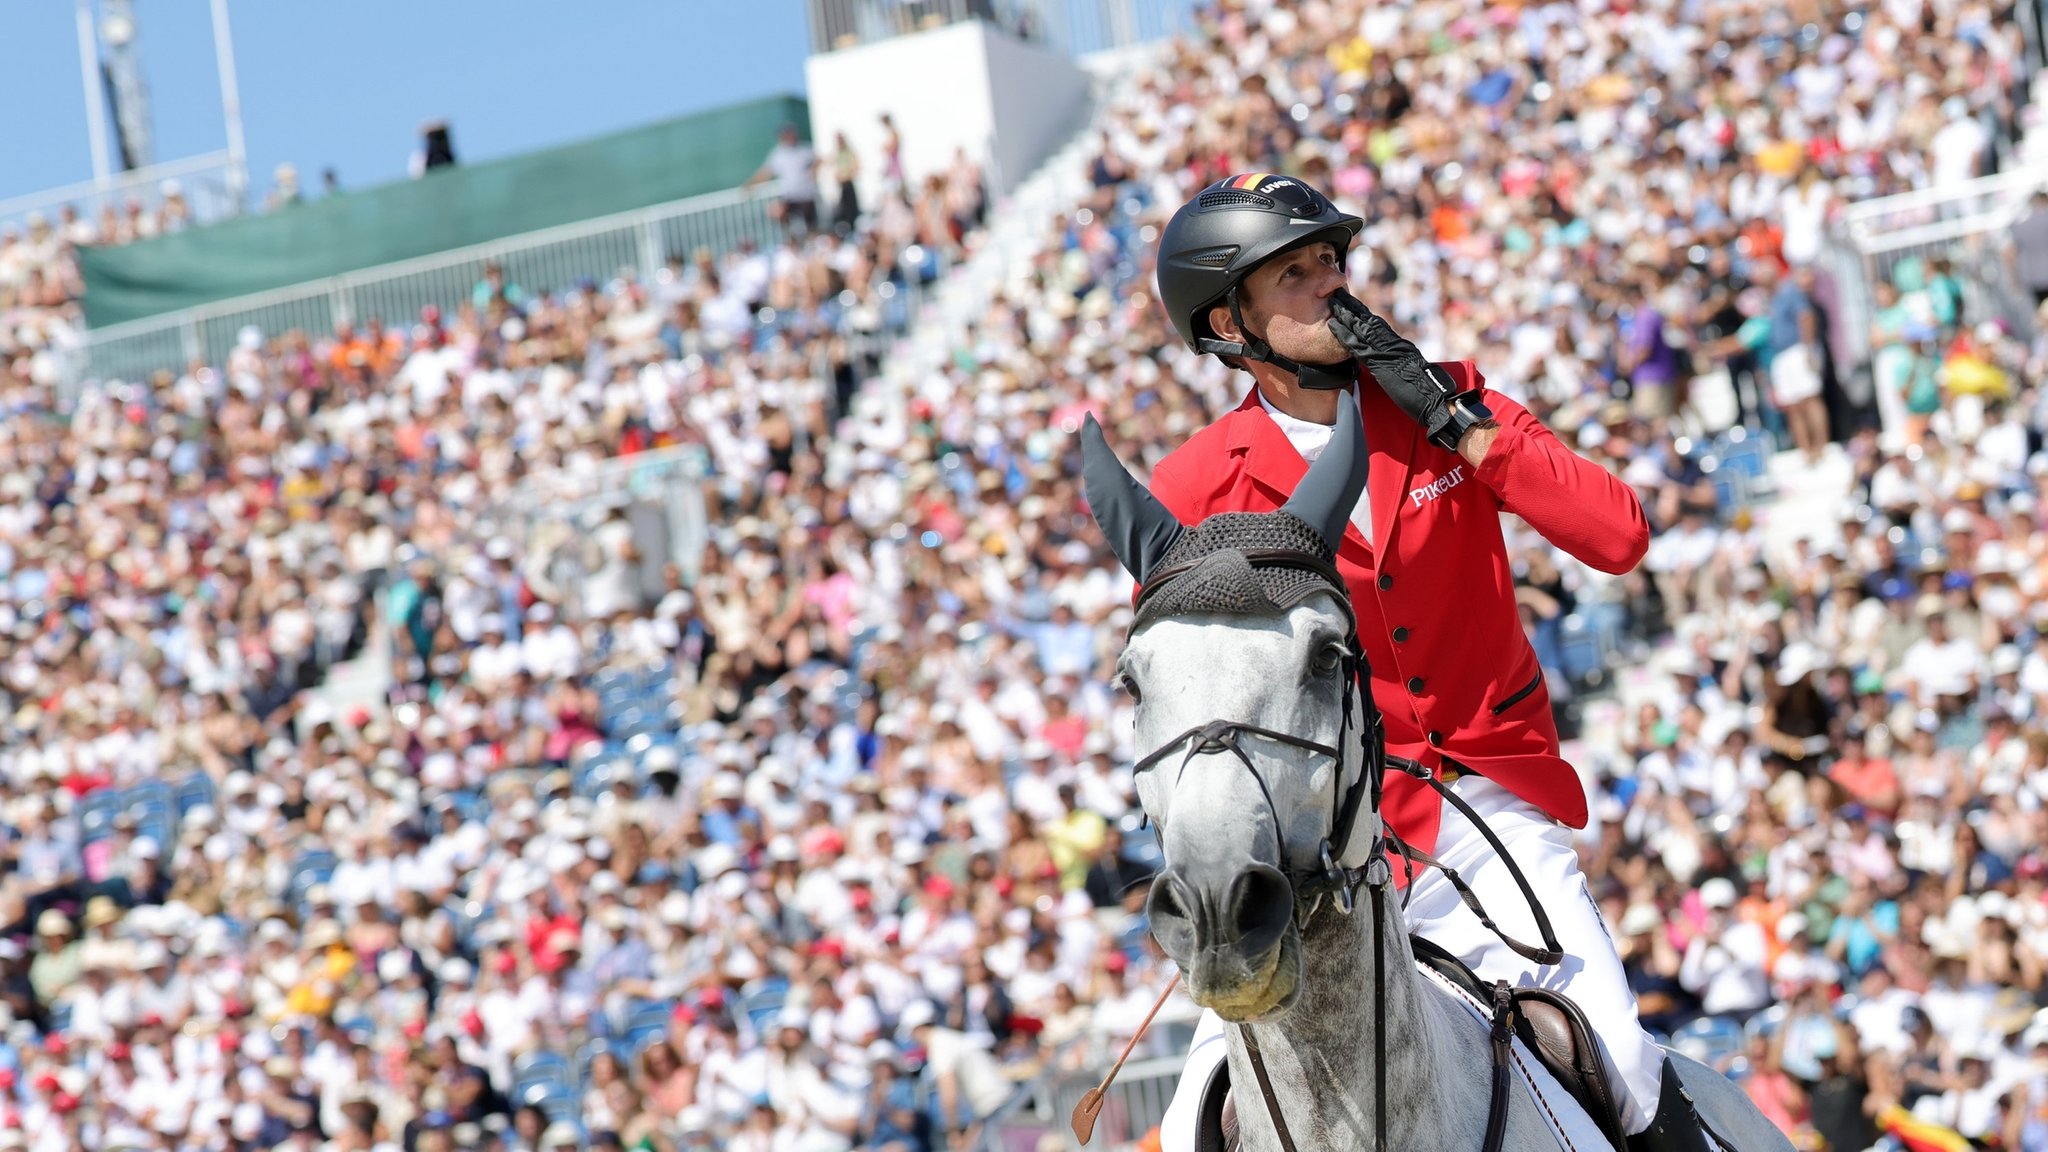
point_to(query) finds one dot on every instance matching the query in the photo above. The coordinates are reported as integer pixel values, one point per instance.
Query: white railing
(546, 260)
(553, 508)
(1927, 215)
(206, 183)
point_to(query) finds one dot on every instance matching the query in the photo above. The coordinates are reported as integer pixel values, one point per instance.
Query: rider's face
(1287, 301)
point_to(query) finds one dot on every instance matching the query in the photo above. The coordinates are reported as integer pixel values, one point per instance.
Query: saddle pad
(1574, 1130)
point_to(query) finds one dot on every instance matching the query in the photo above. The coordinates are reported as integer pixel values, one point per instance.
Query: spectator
(794, 167)
(1795, 360)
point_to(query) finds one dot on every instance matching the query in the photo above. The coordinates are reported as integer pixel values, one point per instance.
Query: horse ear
(1137, 525)
(1326, 496)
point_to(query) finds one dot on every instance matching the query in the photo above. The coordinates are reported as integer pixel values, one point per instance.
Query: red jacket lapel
(1272, 463)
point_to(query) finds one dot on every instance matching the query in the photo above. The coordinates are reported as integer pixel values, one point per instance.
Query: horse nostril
(1170, 899)
(1171, 908)
(1259, 905)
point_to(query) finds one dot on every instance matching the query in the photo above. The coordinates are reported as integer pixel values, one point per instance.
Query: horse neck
(1320, 1055)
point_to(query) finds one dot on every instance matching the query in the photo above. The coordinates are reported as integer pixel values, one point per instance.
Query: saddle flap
(1557, 1031)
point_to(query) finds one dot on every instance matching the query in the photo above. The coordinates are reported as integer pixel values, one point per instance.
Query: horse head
(1243, 661)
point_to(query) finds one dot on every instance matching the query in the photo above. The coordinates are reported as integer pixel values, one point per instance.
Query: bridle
(1328, 876)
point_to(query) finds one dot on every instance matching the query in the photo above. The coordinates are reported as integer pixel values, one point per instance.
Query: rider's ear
(1224, 327)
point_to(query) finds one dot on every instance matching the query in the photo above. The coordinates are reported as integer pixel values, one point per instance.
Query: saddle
(1554, 1029)
(1548, 1022)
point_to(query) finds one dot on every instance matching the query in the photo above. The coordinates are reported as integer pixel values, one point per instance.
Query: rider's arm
(1576, 504)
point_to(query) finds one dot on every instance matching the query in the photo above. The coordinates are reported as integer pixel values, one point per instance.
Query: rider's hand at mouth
(1393, 360)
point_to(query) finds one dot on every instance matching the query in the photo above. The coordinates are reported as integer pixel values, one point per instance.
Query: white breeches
(1591, 973)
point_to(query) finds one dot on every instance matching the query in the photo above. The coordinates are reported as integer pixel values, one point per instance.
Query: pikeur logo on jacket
(1451, 667)
(1438, 486)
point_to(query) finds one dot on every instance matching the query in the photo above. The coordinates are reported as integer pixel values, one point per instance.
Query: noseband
(1327, 877)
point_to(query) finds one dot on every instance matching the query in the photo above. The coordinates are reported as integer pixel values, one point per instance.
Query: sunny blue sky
(346, 85)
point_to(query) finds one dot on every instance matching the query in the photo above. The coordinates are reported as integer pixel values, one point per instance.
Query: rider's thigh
(1591, 973)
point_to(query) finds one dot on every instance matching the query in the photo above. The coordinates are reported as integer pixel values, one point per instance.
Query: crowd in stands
(824, 840)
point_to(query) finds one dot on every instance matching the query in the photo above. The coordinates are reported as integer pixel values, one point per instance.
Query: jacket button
(1386, 581)
(1436, 739)
(1415, 683)
(1400, 635)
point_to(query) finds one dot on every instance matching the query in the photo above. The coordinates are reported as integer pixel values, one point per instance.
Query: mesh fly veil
(1241, 563)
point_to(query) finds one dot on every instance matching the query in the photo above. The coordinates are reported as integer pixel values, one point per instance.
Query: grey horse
(1247, 710)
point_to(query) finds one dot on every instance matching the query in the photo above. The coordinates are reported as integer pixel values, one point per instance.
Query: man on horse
(1252, 270)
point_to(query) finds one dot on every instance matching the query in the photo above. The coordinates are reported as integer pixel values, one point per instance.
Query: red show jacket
(1452, 670)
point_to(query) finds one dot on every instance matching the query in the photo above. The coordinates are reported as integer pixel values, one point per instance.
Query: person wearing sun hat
(59, 956)
(1796, 713)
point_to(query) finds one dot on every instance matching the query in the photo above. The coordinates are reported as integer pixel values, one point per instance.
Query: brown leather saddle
(1549, 1023)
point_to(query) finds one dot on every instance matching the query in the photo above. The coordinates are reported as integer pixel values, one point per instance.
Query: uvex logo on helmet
(1225, 232)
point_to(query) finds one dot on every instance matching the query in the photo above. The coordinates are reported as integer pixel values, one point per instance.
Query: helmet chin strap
(1314, 377)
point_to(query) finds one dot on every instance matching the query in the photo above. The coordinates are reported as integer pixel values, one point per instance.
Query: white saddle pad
(1575, 1131)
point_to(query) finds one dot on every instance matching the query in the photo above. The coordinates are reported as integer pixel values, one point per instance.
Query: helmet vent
(1232, 198)
(1213, 257)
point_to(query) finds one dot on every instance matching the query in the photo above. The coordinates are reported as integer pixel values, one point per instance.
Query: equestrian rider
(1252, 270)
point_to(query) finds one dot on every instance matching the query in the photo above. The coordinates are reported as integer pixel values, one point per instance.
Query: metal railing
(551, 512)
(206, 183)
(543, 261)
(1075, 27)
(1968, 224)
(1133, 1106)
(1930, 215)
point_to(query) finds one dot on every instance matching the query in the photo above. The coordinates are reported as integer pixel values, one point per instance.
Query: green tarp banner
(449, 208)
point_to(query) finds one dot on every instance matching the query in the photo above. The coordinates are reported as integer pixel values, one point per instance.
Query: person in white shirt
(1724, 964)
(1940, 665)
(793, 164)
(970, 1083)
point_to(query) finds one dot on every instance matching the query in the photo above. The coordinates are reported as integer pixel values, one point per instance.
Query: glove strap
(1459, 415)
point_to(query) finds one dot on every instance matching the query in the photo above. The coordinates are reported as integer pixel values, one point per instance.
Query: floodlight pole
(231, 108)
(95, 96)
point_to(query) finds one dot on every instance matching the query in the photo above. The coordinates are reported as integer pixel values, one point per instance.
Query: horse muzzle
(1232, 935)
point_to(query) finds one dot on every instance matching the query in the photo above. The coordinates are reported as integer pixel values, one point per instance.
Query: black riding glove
(1417, 387)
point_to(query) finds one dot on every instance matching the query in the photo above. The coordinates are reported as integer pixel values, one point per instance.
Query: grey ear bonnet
(1249, 563)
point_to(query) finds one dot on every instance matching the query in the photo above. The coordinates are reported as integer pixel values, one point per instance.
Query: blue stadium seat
(588, 1055)
(96, 814)
(540, 1069)
(1579, 648)
(193, 791)
(1712, 1040)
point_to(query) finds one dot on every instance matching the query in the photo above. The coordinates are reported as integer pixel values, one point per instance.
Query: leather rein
(1330, 878)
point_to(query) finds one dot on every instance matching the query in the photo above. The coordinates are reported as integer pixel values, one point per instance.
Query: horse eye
(1329, 659)
(1130, 686)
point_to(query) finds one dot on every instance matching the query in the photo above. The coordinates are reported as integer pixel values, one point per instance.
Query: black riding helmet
(1231, 228)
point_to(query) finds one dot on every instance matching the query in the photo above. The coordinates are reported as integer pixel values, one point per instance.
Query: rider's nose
(1248, 912)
